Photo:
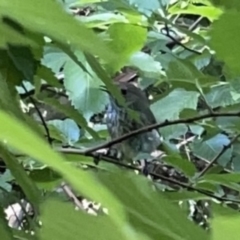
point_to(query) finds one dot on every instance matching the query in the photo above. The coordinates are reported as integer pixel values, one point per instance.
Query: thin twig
(194, 25)
(40, 116)
(178, 42)
(226, 170)
(71, 195)
(214, 160)
(185, 142)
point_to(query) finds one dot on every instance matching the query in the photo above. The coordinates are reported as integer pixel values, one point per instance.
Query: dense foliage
(55, 55)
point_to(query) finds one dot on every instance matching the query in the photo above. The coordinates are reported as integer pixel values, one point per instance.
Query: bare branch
(178, 42)
(160, 125)
(40, 116)
(214, 160)
(158, 176)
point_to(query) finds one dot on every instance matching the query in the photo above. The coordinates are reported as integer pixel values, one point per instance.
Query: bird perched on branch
(119, 122)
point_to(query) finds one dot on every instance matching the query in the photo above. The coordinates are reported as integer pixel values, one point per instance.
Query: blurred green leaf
(46, 74)
(149, 211)
(4, 229)
(185, 195)
(102, 20)
(169, 108)
(42, 17)
(125, 39)
(225, 226)
(209, 12)
(54, 58)
(233, 4)
(28, 186)
(38, 149)
(183, 70)
(64, 226)
(223, 35)
(23, 60)
(13, 37)
(182, 164)
(46, 178)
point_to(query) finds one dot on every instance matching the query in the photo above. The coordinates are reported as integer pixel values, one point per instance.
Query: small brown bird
(119, 123)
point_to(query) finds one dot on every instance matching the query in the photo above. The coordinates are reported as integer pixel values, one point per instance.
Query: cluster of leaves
(54, 57)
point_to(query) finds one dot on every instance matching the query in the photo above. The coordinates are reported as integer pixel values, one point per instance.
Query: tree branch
(40, 115)
(214, 160)
(159, 125)
(178, 42)
(131, 167)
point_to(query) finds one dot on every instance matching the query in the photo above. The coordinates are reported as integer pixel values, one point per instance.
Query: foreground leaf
(149, 211)
(72, 224)
(35, 147)
(42, 16)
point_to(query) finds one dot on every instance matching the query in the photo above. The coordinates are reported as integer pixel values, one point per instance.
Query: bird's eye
(124, 91)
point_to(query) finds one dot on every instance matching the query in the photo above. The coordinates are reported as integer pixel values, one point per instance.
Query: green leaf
(23, 59)
(46, 179)
(47, 75)
(201, 61)
(231, 182)
(8, 35)
(169, 107)
(209, 12)
(102, 20)
(226, 226)
(185, 195)
(54, 58)
(235, 87)
(71, 55)
(223, 35)
(222, 178)
(174, 131)
(84, 90)
(236, 154)
(146, 64)
(64, 226)
(185, 71)
(182, 164)
(220, 96)
(125, 39)
(102, 74)
(71, 113)
(233, 4)
(5, 178)
(74, 157)
(69, 130)
(29, 188)
(167, 221)
(4, 229)
(210, 148)
(35, 147)
(146, 6)
(42, 17)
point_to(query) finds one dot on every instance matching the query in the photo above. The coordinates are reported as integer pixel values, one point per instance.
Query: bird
(119, 122)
